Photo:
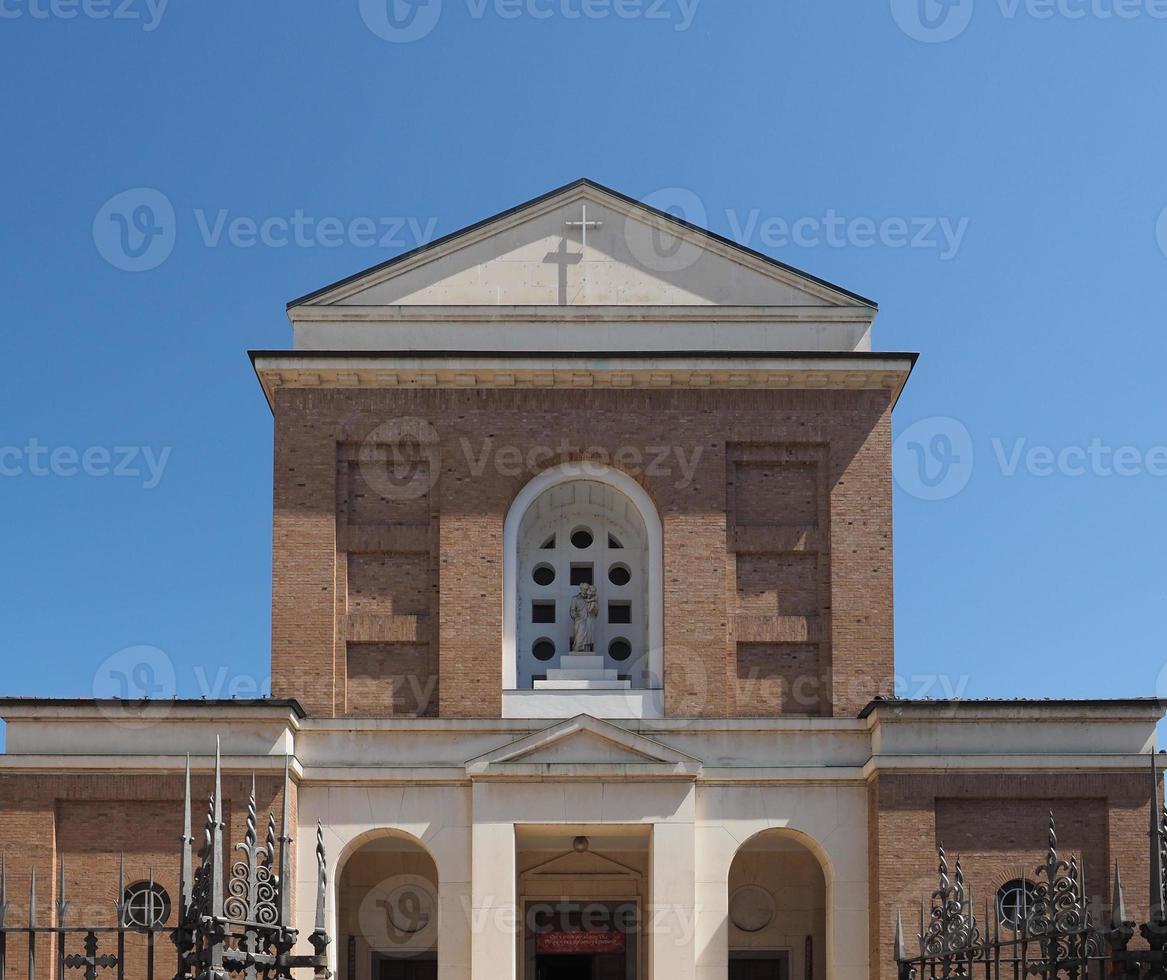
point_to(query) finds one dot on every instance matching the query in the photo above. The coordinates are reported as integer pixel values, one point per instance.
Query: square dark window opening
(542, 612)
(582, 573)
(619, 612)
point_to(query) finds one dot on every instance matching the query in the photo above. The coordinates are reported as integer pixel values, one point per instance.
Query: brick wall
(997, 825)
(777, 550)
(91, 823)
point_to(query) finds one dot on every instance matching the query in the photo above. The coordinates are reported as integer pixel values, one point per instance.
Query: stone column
(452, 852)
(671, 913)
(715, 852)
(493, 913)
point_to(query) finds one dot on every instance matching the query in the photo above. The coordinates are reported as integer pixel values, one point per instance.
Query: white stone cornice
(261, 765)
(621, 371)
(580, 314)
(999, 763)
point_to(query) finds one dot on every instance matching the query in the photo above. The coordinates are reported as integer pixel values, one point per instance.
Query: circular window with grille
(147, 906)
(1014, 903)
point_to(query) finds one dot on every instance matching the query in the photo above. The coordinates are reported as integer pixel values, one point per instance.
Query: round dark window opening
(620, 650)
(543, 575)
(147, 905)
(619, 575)
(582, 538)
(543, 650)
(1015, 901)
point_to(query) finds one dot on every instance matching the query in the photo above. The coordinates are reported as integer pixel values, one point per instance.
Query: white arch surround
(829, 821)
(356, 845)
(823, 955)
(599, 704)
(436, 819)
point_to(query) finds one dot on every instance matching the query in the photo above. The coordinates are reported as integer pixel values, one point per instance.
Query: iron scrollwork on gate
(1055, 935)
(233, 922)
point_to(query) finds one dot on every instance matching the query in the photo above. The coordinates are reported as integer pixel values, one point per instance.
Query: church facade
(582, 637)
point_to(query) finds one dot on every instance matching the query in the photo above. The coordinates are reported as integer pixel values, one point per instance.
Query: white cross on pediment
(583, 224)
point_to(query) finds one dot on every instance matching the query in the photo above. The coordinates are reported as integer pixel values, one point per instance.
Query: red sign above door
(571, 943)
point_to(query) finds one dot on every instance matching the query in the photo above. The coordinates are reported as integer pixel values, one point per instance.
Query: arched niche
(620, 517)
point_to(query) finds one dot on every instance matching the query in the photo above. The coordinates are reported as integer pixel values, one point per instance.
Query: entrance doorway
(581, 967)
(397, 969)
(589, 940)
(582, 888)
(773, 966)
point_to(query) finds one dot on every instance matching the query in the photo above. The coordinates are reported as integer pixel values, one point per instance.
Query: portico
(505, 845)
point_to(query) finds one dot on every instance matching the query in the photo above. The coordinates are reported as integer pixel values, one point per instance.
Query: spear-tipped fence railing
(229, 922)
(1054, 934)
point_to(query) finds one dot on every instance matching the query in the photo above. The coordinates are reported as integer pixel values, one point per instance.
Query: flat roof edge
(911, 356)
(281, 704)
(1152, 706)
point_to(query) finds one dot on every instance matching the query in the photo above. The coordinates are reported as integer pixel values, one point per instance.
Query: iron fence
(1055, 934)
(231, 922)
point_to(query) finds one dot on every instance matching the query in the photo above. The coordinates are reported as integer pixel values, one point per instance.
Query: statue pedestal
(582, 672)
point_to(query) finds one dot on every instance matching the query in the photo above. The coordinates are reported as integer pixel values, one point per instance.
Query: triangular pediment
(535, 255)
(585, 746)
(573, 865)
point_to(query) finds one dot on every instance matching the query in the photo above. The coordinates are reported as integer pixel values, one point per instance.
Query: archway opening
(582, 602)
(387, 913)
(777, 911)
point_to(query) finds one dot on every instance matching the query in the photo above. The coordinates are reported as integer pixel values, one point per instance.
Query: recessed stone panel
(774, 679)
(776, 493)
(391, 680)
(778, 584)
(385, 491)
(390, 585)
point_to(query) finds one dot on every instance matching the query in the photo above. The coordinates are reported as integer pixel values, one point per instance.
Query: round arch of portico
(442, 849)
(846, 893)
(799, 837)
(595, 472)
(367, 836)
(351, 848)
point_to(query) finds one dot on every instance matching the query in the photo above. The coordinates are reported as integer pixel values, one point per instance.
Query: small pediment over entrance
(585, 747)
(574, 865)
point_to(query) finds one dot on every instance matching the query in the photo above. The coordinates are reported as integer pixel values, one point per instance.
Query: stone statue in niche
(585, 609)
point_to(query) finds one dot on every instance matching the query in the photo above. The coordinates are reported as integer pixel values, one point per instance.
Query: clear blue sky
(1037, 141)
